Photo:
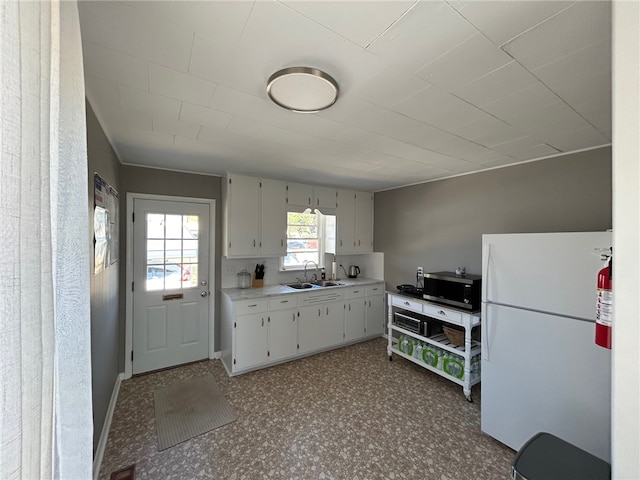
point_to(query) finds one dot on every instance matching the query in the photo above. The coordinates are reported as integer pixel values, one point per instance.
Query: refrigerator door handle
(484, 329)
(486, 262)
(486, 253)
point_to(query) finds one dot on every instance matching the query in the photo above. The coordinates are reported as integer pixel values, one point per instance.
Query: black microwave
(461, 291)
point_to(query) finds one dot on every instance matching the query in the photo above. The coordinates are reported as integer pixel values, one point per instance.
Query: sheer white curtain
(45, 376)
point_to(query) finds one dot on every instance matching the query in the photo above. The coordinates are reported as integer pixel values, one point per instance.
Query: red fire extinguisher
(604, 307)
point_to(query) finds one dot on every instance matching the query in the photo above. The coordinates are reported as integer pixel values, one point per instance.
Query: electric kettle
(354, 271)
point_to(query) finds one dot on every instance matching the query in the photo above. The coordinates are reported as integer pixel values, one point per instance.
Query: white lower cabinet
(375, 315)
(258, 333)
(283, 327)
(354, 314)
(320, 326)
(250, 340)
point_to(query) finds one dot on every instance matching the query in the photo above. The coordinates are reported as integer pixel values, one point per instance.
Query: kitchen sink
(316, 284)
(300, 286)
(327, 283)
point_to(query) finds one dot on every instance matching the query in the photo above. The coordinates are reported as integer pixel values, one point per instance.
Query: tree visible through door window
(303, 239)
(172, 251)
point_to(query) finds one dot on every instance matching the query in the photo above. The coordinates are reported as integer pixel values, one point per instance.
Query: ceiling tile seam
(573, 52)
(148, 77)
(215, 87)
(233, 87)
(246, 21)
(431, 126)
(180, 112)
(538, 24)
(444, 53)
(193, 42)
(515, 127)
(408, 93)
(338, 33)
(180, 72)
(395, 22)
(448, 2)
(342, 144)
(558, 96)
(143, 60)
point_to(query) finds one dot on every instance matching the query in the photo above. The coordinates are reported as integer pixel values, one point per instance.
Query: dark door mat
(127, 473)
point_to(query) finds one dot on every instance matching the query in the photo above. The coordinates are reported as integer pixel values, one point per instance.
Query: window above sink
(309, 235)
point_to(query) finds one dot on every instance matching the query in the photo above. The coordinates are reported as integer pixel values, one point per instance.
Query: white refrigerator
(541, 369)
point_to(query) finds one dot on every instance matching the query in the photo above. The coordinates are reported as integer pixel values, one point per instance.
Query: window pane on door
(174, 226)
(172, 251)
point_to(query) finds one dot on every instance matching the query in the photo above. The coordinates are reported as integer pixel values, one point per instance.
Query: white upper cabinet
(354, 222)
(364, 222)
(255, 217)
(300, 194)
(242, 215)
(303, 195)
(345, 222)
(325, 197)
(273, 214)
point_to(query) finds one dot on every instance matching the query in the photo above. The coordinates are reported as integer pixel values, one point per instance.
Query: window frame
(320, 225)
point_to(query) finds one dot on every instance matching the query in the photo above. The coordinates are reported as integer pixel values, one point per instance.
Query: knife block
(257, 283)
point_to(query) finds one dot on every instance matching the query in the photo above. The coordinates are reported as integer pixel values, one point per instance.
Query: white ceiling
(428, 89)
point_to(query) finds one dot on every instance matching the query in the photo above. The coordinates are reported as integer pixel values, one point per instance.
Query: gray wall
(439, 225)
(165, 182)
(105, 319)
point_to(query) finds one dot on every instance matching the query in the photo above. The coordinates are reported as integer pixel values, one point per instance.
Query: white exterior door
(171, 283)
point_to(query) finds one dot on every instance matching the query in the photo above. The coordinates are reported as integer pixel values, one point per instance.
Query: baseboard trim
(102, 443)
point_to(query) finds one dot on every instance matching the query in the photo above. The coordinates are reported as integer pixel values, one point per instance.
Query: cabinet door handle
(263, 321)
(349, 307)
(309, 201)
(253, 305)
(317, 202)
(406, 303)
(318, 312)
(293, 317)
(369, 303)
(282, 242)
(284, 301)
(254, 243)
(442, 312)
(327, 310)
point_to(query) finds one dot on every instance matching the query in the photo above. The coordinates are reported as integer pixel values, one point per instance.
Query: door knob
(203, 283)
(203, 294)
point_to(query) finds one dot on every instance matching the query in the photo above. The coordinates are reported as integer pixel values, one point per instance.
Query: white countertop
(277, 289)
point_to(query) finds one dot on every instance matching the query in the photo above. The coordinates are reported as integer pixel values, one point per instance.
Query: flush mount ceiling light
(302, 89)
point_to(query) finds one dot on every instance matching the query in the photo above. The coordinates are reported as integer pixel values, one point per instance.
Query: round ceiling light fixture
(302, 89)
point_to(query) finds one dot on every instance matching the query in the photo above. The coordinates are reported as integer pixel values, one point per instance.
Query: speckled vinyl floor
(345, 414)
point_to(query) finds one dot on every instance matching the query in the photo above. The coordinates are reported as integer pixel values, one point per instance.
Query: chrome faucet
(315, 275)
